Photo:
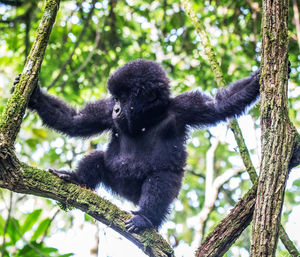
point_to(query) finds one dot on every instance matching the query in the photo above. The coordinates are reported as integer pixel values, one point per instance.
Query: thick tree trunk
(226, 232)
(278, 134)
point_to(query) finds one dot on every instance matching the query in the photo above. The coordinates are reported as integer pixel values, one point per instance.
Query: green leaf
(31, 220)
(296, 183)
(39, 132)
(2, 224)
(14, 230)
(35, 250)
(41, 229)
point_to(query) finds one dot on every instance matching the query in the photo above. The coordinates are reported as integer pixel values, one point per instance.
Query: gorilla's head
(141, 92)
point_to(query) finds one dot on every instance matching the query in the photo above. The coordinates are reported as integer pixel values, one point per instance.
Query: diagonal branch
(218, 242)
(13, 113)
(21, 178)
(232, 233)
(79, 39)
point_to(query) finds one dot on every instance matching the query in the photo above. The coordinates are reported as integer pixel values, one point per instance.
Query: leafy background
(90, 40)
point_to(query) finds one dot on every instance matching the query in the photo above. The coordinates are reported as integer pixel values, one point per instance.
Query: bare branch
(218, 242)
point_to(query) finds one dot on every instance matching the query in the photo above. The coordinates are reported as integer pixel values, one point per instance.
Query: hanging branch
(233, 230)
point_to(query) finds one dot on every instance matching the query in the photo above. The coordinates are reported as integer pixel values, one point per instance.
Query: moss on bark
(22, 178)
(278, 134)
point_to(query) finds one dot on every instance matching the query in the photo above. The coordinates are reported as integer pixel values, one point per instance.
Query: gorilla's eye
(151, 96)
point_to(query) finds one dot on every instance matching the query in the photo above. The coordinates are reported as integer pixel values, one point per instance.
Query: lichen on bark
(278, 134)
(22, 178)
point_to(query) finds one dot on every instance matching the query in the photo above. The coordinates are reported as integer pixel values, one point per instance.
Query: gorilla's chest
(143, 155)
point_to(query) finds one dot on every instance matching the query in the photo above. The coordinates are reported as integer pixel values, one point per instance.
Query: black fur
(146, 156)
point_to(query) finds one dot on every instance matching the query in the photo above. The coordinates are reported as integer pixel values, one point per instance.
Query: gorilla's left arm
(196, 108)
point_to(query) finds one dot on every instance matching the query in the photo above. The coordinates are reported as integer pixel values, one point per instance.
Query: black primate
(146, 155)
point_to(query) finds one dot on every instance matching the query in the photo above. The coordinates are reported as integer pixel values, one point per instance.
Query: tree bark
(21, 178)
(233, 229)
(218, 242)
(13, 113)
(278, 134)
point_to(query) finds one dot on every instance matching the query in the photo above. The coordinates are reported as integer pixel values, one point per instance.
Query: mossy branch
(233, 229)
(21, 178)
(210, 53)
(279, 136)
(13, 113)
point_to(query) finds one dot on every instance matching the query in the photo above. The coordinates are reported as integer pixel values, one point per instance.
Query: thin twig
(87, 60)
(51, 220)
(69, 60)
(220, 81)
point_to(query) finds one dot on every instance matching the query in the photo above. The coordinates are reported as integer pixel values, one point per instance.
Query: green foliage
(156, 30)
(24, 236)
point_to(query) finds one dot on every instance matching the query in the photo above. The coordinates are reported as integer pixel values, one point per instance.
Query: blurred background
(89, 41)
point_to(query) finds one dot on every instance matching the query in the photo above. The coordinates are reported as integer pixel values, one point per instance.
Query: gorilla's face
(135, 111)
(141, 94)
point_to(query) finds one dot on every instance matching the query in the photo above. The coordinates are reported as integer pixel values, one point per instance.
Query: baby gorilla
(146, 155)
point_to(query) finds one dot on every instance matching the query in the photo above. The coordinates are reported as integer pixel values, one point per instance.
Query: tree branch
(21, 178)
(13, 113)
(218, 242)
(69, 60)
(234, 234)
